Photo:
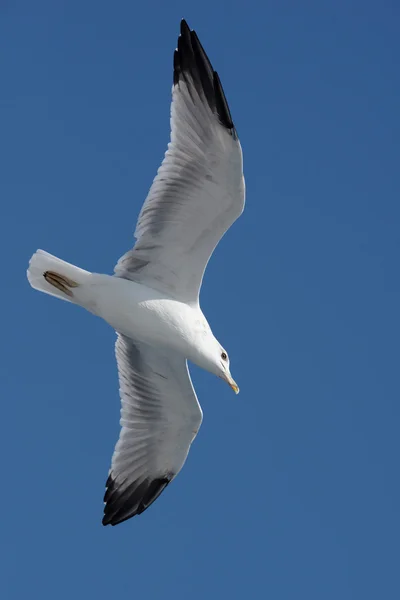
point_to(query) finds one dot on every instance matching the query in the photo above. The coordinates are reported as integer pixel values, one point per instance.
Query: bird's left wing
(199, 189)
(160, 417)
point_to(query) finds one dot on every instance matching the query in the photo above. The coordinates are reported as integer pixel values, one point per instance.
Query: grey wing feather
(199, 189)
(160, 417)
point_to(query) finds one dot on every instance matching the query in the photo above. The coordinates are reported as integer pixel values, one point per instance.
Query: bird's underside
(200, 115)
(196, 196)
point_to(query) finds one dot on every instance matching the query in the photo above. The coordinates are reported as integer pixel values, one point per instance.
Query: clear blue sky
(291, 489)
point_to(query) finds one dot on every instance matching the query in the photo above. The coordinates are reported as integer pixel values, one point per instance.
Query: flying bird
(152, 299)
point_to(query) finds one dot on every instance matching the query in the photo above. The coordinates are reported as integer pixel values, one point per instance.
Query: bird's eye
(224, 356)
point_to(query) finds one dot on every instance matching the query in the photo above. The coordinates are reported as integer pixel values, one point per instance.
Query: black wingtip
(184, 26)
(192, 65)
(124, 502)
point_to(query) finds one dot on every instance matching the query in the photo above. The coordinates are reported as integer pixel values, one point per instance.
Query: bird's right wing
(199, 189)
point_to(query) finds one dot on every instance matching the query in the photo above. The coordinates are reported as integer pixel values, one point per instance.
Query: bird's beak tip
(231, 382)
(234, 386)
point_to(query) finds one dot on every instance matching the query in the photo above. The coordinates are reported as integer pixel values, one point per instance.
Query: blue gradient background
(291, 489)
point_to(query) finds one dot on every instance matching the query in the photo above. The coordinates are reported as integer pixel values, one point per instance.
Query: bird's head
(207, 353)
(216, 360)
(223, 369)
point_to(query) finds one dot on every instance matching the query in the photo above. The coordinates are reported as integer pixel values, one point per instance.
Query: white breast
(147, 315)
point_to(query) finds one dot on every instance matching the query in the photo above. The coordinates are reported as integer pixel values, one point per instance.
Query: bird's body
(146, 315)
(152, 300)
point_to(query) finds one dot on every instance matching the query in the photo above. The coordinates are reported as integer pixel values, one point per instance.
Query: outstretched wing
(199, 189)
(160, 417)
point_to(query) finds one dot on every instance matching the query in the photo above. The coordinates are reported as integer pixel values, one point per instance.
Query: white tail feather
(41, 262)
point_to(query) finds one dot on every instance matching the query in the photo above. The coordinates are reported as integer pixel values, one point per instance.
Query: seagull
(152, 299)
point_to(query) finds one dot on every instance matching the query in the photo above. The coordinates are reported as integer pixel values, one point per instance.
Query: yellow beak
(232, 383)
